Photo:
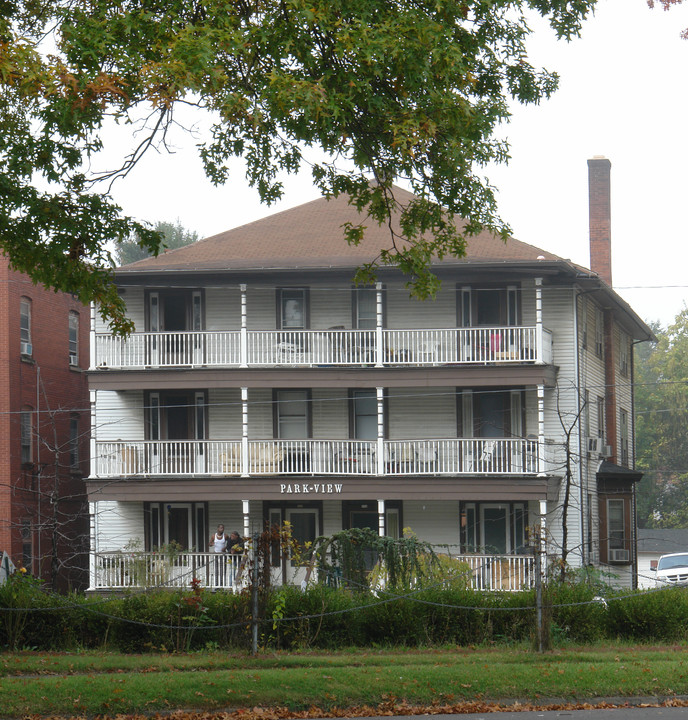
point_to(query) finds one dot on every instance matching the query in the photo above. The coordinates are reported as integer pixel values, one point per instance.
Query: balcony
(121, 570)
(317, 348)
(258, 458)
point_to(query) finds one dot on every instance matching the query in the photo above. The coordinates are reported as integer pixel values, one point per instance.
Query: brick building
(44, 426)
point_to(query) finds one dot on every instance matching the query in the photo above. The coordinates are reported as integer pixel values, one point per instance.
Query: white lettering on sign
(307, 488)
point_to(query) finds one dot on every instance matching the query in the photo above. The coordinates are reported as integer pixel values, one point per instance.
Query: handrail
(449, 456)
(310, 348)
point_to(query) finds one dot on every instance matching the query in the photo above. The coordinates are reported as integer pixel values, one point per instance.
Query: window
(292, 308)
(26, 347)
(616, 525)
(586, 414)
(292, 408)
(488, 306)
(74, 442)
(584, 324)
(365, 308)
(599, 333)
(364, 414)
(600, 418)
(623, 353)
(623, 436)
(26, 434)
(73, 338)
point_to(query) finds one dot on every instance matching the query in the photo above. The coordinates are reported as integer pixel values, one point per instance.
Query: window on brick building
(25, 345)
(73, 338)
(26, 436)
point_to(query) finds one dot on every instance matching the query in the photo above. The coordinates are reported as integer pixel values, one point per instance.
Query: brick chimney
(601, 262)
(600, 217)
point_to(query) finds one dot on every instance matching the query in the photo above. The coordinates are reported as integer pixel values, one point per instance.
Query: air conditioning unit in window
(606, 451)
(26, 348)
(594, 445)
(619, 555)
(73, 359)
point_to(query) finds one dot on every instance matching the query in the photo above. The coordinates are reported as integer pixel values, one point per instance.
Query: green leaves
(392, 90)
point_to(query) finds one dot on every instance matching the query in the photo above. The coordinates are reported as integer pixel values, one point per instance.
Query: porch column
(92, 565)
(95, 460)
(539, 346)
(380, 432)
(92, 341)
(243, 359)
(244, 506)
(381, 518)
(543, 533)
(244, 432)
(379, 349)
(541, 429)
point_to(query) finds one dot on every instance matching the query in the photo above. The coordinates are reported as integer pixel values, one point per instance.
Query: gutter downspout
(583, 459)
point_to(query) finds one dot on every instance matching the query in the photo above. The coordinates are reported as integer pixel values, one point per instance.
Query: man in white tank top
(219, 544)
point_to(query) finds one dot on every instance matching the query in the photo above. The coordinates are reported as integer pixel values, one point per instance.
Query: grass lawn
(106, 683)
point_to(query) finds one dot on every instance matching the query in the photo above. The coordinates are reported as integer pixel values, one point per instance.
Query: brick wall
(599, 203)
(46, 492)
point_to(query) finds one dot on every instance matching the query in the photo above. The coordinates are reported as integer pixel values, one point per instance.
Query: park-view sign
(310, 488)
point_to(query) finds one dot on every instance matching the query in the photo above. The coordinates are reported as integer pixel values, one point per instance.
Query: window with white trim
(25, 345)
(73, 338)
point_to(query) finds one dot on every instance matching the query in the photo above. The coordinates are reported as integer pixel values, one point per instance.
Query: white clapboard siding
(330, 412)
(435, 522)
(118, 416)
(118, 525)
(527, 300)
(332, 516)
(422, 413)
(404, 311)
(222, 309)
(261, 309)
(330, 307)
(260, 417)
(224, 414)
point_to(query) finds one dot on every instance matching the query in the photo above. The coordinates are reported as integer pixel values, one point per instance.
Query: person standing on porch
(235, 547)
(219, 542)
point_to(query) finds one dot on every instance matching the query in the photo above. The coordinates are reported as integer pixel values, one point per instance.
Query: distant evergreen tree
(174, 236)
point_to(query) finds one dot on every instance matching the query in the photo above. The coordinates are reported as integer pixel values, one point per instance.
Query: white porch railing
(124, 570)
(500, 572)
(453, 456)
(450, 346)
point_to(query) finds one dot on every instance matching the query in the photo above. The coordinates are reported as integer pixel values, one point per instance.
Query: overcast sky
(622, 95)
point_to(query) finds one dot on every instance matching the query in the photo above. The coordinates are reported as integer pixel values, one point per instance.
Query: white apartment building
(260, 386)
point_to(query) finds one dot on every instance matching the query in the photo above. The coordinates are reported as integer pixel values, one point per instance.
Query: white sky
(621, 95)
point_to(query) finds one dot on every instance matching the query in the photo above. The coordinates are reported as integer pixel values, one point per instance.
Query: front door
(304, 523)
(179, 315)
(304, 530)
(494, 524)
(178, 526)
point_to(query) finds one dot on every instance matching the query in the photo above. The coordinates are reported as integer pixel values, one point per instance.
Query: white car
(672, 569)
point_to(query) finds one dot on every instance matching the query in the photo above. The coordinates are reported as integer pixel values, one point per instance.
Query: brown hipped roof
(312, 236)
